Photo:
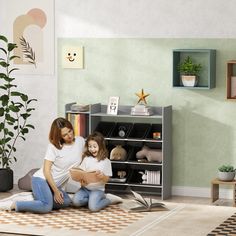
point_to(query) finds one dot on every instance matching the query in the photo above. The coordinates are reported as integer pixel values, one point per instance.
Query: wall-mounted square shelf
(231, 79)
(206, 57)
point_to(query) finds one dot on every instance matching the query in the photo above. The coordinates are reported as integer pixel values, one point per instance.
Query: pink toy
(152, 155)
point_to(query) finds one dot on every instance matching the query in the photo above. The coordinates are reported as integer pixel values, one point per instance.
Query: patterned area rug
(115, 220)
(228, 227)
(75, 219)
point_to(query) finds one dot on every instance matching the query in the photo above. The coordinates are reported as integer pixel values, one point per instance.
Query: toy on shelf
(121, 173)
(118, 153)
(152, 155)
(141, 109)
(121, 176)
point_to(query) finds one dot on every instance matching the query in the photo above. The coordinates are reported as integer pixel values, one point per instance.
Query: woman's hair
(99, 139)
(55, 132)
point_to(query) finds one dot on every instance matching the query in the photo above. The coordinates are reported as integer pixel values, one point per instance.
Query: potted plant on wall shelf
(189, 72)
(15, 109)
(226, 173)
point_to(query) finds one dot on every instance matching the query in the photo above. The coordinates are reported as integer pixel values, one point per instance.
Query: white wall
(30, 153)
(116, 18)
(146, 18)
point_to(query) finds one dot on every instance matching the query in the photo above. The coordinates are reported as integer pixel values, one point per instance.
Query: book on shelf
(141, 110)
(147, 205)
(153, 177)
(79, 123)
(87, 177)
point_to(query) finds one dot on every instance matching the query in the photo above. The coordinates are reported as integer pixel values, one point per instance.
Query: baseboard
(225, 193)
(200, 192)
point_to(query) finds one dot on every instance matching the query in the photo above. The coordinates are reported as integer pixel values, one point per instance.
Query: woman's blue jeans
(43, 198)
(95, 199)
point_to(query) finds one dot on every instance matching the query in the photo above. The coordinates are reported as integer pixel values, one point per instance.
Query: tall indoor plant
(15, 109)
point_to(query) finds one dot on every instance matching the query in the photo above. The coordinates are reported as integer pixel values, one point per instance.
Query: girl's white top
(63, 160)
(92, 164)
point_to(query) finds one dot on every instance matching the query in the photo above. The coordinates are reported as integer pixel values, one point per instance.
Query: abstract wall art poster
(30, 24)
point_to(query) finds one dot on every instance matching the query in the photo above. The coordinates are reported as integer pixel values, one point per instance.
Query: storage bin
(119, 188)
(105, 128)
(132, 154)
(120, 174)
(121, 130)
(135, 177)
(139, 131)
(155, 132)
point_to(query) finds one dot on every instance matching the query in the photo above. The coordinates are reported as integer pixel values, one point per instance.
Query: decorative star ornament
(142, 97)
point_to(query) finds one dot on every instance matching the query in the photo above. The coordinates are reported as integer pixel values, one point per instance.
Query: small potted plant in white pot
(226, 173)
(189, 72)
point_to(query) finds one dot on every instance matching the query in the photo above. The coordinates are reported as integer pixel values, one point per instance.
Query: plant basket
(6, 179)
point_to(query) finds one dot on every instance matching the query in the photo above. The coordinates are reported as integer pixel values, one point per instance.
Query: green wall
(204, 122)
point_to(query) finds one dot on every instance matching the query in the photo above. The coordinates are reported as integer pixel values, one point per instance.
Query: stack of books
(153, 177)
(79, 108)
(141, 110)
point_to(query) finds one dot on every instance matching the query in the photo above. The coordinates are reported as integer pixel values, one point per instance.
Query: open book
(87, 177)
(147, 205)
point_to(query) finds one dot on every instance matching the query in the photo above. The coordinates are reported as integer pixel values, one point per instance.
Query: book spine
(82, 125)
(76, 125)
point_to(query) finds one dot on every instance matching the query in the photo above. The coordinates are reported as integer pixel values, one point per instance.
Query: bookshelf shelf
(133, 141)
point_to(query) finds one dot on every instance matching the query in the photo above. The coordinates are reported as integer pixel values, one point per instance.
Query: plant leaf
(3, 51)
(13, 70)
(11, 46)
(30, 126)
(24, 97)
(3, 64)
(13, 57)
(3, 38)
(2, 111)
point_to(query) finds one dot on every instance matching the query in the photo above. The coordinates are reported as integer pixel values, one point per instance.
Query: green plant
(15, 106)
(226, 168)
(187, 67)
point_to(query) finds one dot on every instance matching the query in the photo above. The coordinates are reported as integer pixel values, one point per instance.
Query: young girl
(64, 151)
(94, 159)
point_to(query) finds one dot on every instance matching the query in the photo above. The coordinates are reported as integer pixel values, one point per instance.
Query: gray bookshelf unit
(139, 133)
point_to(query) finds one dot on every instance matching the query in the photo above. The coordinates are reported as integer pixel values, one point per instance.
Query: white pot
(189, 80)
(226, 176)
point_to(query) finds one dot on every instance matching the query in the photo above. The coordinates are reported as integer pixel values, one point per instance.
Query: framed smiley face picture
(73, 57)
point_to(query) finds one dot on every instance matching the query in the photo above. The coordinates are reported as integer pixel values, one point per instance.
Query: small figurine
(142, 97)
(141, 108)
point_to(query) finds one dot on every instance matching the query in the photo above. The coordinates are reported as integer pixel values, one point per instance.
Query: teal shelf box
(206, 57)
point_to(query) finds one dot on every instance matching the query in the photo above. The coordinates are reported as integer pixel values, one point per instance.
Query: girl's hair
(55, 132)
(99, 139)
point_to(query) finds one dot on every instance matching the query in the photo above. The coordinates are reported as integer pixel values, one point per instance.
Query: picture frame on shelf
(112, 106)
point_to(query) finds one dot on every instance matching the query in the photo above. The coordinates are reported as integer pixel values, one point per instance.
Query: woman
(64, 152)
